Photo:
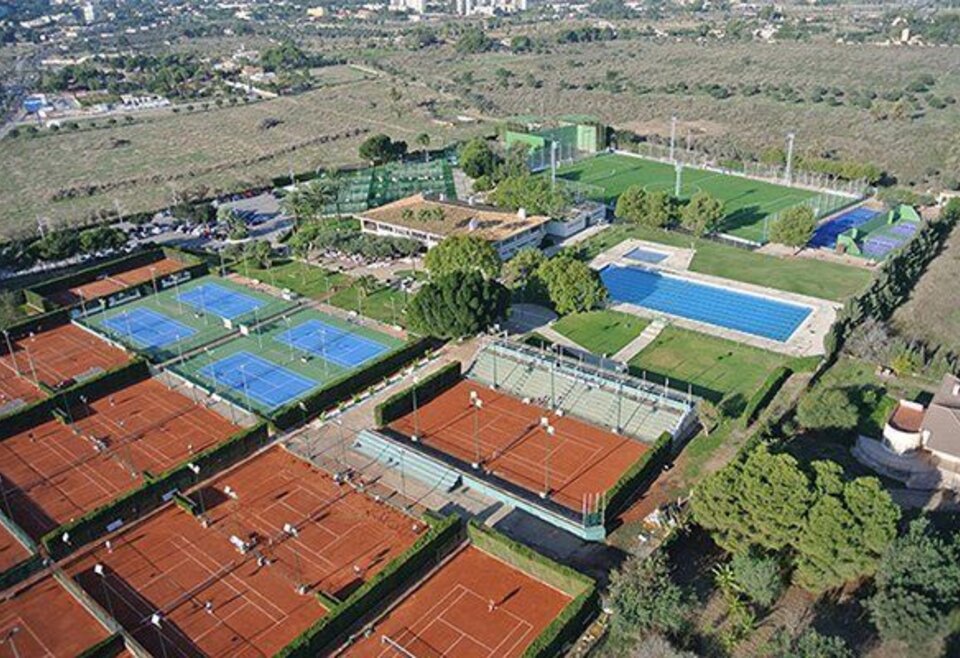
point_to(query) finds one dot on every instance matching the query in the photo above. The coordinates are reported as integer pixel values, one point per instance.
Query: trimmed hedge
(21, 571)
(106, 648)
(401, 403)
(566, 627)
(42, 410)
(153, 494)
(402, 571)
(350, 384)
(644, 469)
(763, 395)
(35, 323)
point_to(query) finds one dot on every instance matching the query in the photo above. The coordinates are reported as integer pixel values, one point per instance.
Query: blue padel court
(266, 382)
(646, 255)
(220, 300)
(148, 329)
(331, 343)
(827, 233)
(692, 300)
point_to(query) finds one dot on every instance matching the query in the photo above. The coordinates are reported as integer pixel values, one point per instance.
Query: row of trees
(704, 214)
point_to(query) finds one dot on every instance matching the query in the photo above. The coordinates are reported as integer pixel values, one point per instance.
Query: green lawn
(601, 332)
(302, 278)
(800, 275)
(716, 367)
(747, 202)
(385, 304)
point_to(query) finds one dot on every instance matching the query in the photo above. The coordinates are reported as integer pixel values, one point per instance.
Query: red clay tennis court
(583, 460)
(215, 600)
(53, 472)
(50, 623)
(116, 282)
(474, 606)
(60, 354)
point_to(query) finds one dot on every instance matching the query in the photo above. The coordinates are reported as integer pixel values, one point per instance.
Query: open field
(386, 304)
(302, 278)
(714, 366)
(573, 79)
(932, 314)
(171, 564)
(579, 460)
(475, 606)
(55, 472)
(748, 204)
(601, 332)
(145, 165)
(800, 275)
(50, 622)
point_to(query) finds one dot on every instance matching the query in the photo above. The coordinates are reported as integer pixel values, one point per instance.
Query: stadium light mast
(678, 182)
(673, 136)
(549, 429)
(553, 163)
(477, 405)
(788, 173)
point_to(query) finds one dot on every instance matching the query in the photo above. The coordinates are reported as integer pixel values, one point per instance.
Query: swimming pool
(685, 298)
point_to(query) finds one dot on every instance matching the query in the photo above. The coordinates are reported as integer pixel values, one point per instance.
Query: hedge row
(35, 324)
(153, 494)
(763, 395)
(107, 648)
(21, 571)
(644, 469)
(401, 403)
(350, 384)
(43, 410)
(399, 574)
(566, 627)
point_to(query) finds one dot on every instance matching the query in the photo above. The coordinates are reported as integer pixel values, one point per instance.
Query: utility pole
(788, 173)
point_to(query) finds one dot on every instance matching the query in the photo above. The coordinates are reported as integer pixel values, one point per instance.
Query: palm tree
(423, 139)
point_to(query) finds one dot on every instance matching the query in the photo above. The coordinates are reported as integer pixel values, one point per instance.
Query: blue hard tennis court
(332, 343)
(826, 234)
(220, 300)
(268, 383)
(148, 328)
(752, 314)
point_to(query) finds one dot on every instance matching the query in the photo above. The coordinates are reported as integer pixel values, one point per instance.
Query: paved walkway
(635, 346)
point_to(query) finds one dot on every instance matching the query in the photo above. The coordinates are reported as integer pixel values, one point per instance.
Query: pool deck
(806, 340)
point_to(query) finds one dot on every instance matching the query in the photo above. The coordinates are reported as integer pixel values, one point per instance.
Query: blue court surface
(220, 300)
(147, 328)
(646, 255)
(689, 299)
(332, 343)
(826, 234)
(266, 382)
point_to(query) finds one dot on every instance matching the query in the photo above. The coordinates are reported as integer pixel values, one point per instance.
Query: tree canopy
(571, 284)
(534, 194)
(477, 158)
(380, 148)
(794, 227)
(703, 214)
(827, 408)
(457, 304)
(832, 530)
(653, 209)
(644, 598)
(520, 274)
(463, 253)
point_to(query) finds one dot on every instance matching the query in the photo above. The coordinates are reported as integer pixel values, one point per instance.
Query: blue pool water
(689, 299)
(826, 234)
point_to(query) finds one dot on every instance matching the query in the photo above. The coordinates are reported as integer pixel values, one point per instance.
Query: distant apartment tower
(89, 13)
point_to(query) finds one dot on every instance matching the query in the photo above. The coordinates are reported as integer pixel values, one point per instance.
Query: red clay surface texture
(60, 354)
(116, 282)
(583, 460)
(474, 606)
(50, 623)
(172, 565)
(52, 473)
(12, 552)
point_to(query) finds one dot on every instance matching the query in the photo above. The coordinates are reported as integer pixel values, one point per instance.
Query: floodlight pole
(176, 286)
(549, 429)
(153, 279)
(6, 503)
(195, 468)
(416, 410)
(679, 179)
(343, 442)
(477, 404)
(9, 639)
(673, 136)
(33, 367)
(13, 356)
(788, 172)
(246, 393)
(553, 163)
(98, 569)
